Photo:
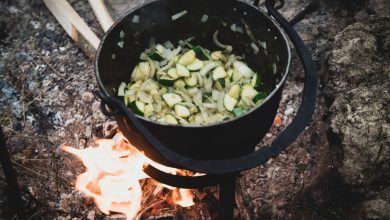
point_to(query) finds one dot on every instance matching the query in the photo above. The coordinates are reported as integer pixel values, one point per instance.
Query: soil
(337, 169)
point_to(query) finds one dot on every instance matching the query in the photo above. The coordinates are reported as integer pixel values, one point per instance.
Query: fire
(112, 178)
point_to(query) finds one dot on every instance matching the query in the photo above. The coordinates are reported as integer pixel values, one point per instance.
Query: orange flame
(113, 171)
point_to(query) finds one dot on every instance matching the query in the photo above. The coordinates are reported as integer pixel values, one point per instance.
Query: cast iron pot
(218, 148)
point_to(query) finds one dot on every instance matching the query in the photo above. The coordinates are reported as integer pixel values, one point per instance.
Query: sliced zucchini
(188, 58)
(137, 107)
(220, 84)
(229, 102)
(260, 97)
(148, 110)
(248, 92)
(192, 80)
(243, 69)
(256, 81)
(201, 53)
(121, 89)
(180, 84)
(170, 119)
(166, 81)
(196, 65)
(235, 91)
(236, 76)
(239, 111)
(182, 71)
(182, 111)
(173, 73)
(156, 56)
(171, 99)
(219, 73)
(192, 107)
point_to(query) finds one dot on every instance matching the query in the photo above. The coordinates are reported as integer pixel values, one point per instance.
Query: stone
(87, 97)
(360, 87)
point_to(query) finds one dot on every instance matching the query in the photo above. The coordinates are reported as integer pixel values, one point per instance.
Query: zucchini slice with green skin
(166, 81)
(196, 65)
(239, 111)
(182, 71)
(201, 53)
(229, 102)
(188, 58)
(180, 84)
(248, 92)
(170, 119)
(219, 73)
(235, 91)
(171, 99)
(256, 81)
(260, 97)
(137, 107)
(121, 89)
(220, 84)
(182, 111)
(156, 56)
(192, 80)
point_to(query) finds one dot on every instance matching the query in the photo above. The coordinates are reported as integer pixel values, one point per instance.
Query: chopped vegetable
(121, 89)
(196, 65)
(229, 102)
(239, 111)
(135, 19)
(243, 69)
(188, 58)
(201, 53)
(179, 15)
(171, 99)
(204, 18)
(191, 85)
(137, 107)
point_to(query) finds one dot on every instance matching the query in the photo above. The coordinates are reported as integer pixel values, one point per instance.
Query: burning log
(114, 170)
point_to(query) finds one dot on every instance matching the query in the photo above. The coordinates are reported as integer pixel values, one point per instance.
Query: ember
(113, 173)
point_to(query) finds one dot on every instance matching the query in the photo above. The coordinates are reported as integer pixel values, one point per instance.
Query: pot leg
(227, 190)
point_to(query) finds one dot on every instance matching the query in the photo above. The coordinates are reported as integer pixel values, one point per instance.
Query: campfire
(113, 176)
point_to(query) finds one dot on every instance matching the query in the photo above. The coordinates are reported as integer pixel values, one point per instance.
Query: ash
(47, 98)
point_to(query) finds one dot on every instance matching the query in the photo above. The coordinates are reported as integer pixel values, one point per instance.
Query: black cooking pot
(218, 148)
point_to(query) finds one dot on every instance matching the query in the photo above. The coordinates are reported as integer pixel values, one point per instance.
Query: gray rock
(360, 86)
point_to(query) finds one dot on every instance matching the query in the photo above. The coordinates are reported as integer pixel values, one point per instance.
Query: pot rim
(278, 86)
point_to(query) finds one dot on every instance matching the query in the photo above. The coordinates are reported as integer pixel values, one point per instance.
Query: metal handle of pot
(251, 160)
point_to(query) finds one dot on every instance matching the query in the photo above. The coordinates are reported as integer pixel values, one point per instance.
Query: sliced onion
(204, 18)
(179, 15)
(208, 67)
(135, 19)
(243, 69)
(228, 48)
(255, 48)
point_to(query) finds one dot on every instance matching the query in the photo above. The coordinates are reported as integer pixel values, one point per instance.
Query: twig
(138, 217)
(31, 170)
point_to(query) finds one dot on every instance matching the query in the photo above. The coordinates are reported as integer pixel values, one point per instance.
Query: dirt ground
(47, 98)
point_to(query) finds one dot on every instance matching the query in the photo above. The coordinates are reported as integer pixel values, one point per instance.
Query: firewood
(101, 13)
(74, 25)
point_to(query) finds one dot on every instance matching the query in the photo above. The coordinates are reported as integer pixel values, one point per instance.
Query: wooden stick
(74, 25)
(102, 14)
